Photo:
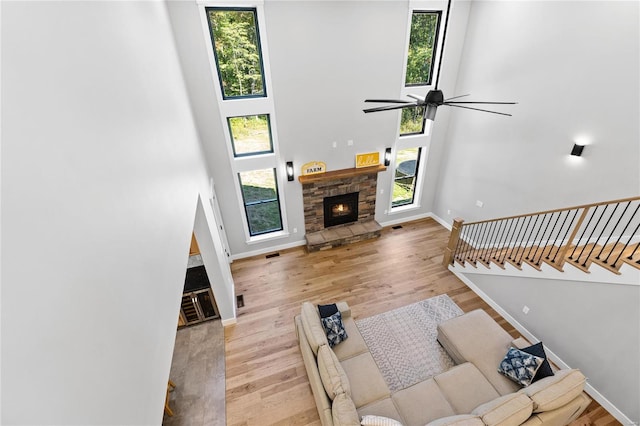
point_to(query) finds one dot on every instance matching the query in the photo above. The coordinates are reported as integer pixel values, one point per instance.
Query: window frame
(248, 154)
(277, 199)
(417, 140)
(260, 49)
(436, 47)
(243, 106)
(415, 176)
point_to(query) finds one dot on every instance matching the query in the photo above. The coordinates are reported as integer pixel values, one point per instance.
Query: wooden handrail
(496, 240)
(583, 206)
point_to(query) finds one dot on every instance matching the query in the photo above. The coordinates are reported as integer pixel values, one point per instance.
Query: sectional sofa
(348, 387)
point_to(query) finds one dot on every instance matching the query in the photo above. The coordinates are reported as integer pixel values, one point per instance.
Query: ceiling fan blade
(388, 108)
(456, 97)
(478, 109)
(480, 102)
(416, 97)
(395, 101)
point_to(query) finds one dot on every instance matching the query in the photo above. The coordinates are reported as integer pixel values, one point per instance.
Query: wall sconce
(289, 171)
(387, 156)
(577, 150)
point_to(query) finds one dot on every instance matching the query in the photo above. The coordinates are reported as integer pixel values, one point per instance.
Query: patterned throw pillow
(519, 366)
(370, 420)
(334, 328)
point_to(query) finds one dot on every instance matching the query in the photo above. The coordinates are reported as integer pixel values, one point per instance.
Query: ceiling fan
(435, 97)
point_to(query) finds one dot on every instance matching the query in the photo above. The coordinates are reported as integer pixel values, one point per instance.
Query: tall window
(236, 43)
(242, 73)
(404, 181)
(423, 40)
(261, 203)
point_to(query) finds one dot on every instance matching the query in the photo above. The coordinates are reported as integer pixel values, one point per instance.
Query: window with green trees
(422, 47)
(404, 185)
(236, 43)
(250, 134)
(261, 202)
(412, 121)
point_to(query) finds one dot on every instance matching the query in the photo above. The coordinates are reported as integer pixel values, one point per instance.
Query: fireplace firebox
(340, 209)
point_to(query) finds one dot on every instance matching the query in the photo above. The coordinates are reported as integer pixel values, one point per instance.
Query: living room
(129, 137)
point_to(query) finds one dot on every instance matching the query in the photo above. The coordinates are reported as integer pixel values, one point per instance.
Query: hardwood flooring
(266, 383)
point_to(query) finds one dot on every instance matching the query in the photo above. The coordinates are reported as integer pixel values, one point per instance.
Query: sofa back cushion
(344, 412)
(555, 391)
(312, 326)
(334, 379)
(508, 410)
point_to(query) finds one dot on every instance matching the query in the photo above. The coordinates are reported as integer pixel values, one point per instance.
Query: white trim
(589, 389)
(228, 322)
(249, 106)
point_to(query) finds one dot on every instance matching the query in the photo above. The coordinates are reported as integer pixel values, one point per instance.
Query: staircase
(605, 234)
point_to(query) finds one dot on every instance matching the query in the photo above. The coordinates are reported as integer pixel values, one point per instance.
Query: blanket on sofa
(403, 342)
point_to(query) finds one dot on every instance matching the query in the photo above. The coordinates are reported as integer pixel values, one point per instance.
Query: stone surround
(316, 187)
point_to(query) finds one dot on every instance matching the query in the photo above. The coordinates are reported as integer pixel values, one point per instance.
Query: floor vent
(240, 301)
(269, 256)
(397, 227)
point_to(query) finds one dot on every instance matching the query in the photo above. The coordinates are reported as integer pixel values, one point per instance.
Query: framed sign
(367, 160)
(313, 168)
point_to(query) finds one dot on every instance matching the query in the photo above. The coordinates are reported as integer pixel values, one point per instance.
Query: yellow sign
(367, 160)
(313, 168)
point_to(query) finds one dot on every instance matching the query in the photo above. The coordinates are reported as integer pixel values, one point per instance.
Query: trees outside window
(423, 40)
(412, 121)
(236, 43)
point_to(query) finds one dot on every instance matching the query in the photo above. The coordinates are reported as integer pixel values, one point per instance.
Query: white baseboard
(268, 250)
(229, 321)
(589, 389)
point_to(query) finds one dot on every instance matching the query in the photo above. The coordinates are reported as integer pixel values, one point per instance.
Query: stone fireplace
(339, 207)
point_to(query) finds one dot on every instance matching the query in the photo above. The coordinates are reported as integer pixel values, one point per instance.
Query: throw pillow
(545, 369)
(519, 366)
(327, 310)
(370, 420)
(334, 328)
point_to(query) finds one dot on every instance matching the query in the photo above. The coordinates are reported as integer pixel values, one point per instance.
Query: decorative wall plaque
(367, 160)
(313, 168)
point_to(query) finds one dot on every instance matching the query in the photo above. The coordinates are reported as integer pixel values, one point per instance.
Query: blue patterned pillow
(519, 366)
(334, 328)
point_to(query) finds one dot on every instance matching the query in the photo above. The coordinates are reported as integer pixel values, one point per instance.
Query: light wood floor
(266, 382)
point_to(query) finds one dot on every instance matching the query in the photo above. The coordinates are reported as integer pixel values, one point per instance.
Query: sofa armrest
(344, 309)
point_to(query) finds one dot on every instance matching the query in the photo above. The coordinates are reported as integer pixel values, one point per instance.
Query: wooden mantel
(339, 174)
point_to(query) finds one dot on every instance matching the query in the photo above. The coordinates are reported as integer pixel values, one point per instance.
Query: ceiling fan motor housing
(434, 97)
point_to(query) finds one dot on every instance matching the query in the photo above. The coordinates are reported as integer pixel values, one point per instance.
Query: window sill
(267, 237)
(402, 209)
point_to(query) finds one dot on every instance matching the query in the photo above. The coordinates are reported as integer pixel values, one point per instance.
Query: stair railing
(605, 233)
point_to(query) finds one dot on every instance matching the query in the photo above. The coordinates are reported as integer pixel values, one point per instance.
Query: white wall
(573, 66)
(101, 171)
(326, 58)
(591, 326)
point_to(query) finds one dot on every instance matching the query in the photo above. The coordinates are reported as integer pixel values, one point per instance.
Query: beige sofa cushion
(507, 410)
(555, 391)
(313, 327)
(475, 337)
(353, 345)
(334, 379)
(458, 420)
(366, 381)
(344, 412)
(465, 387)
(422, 403)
